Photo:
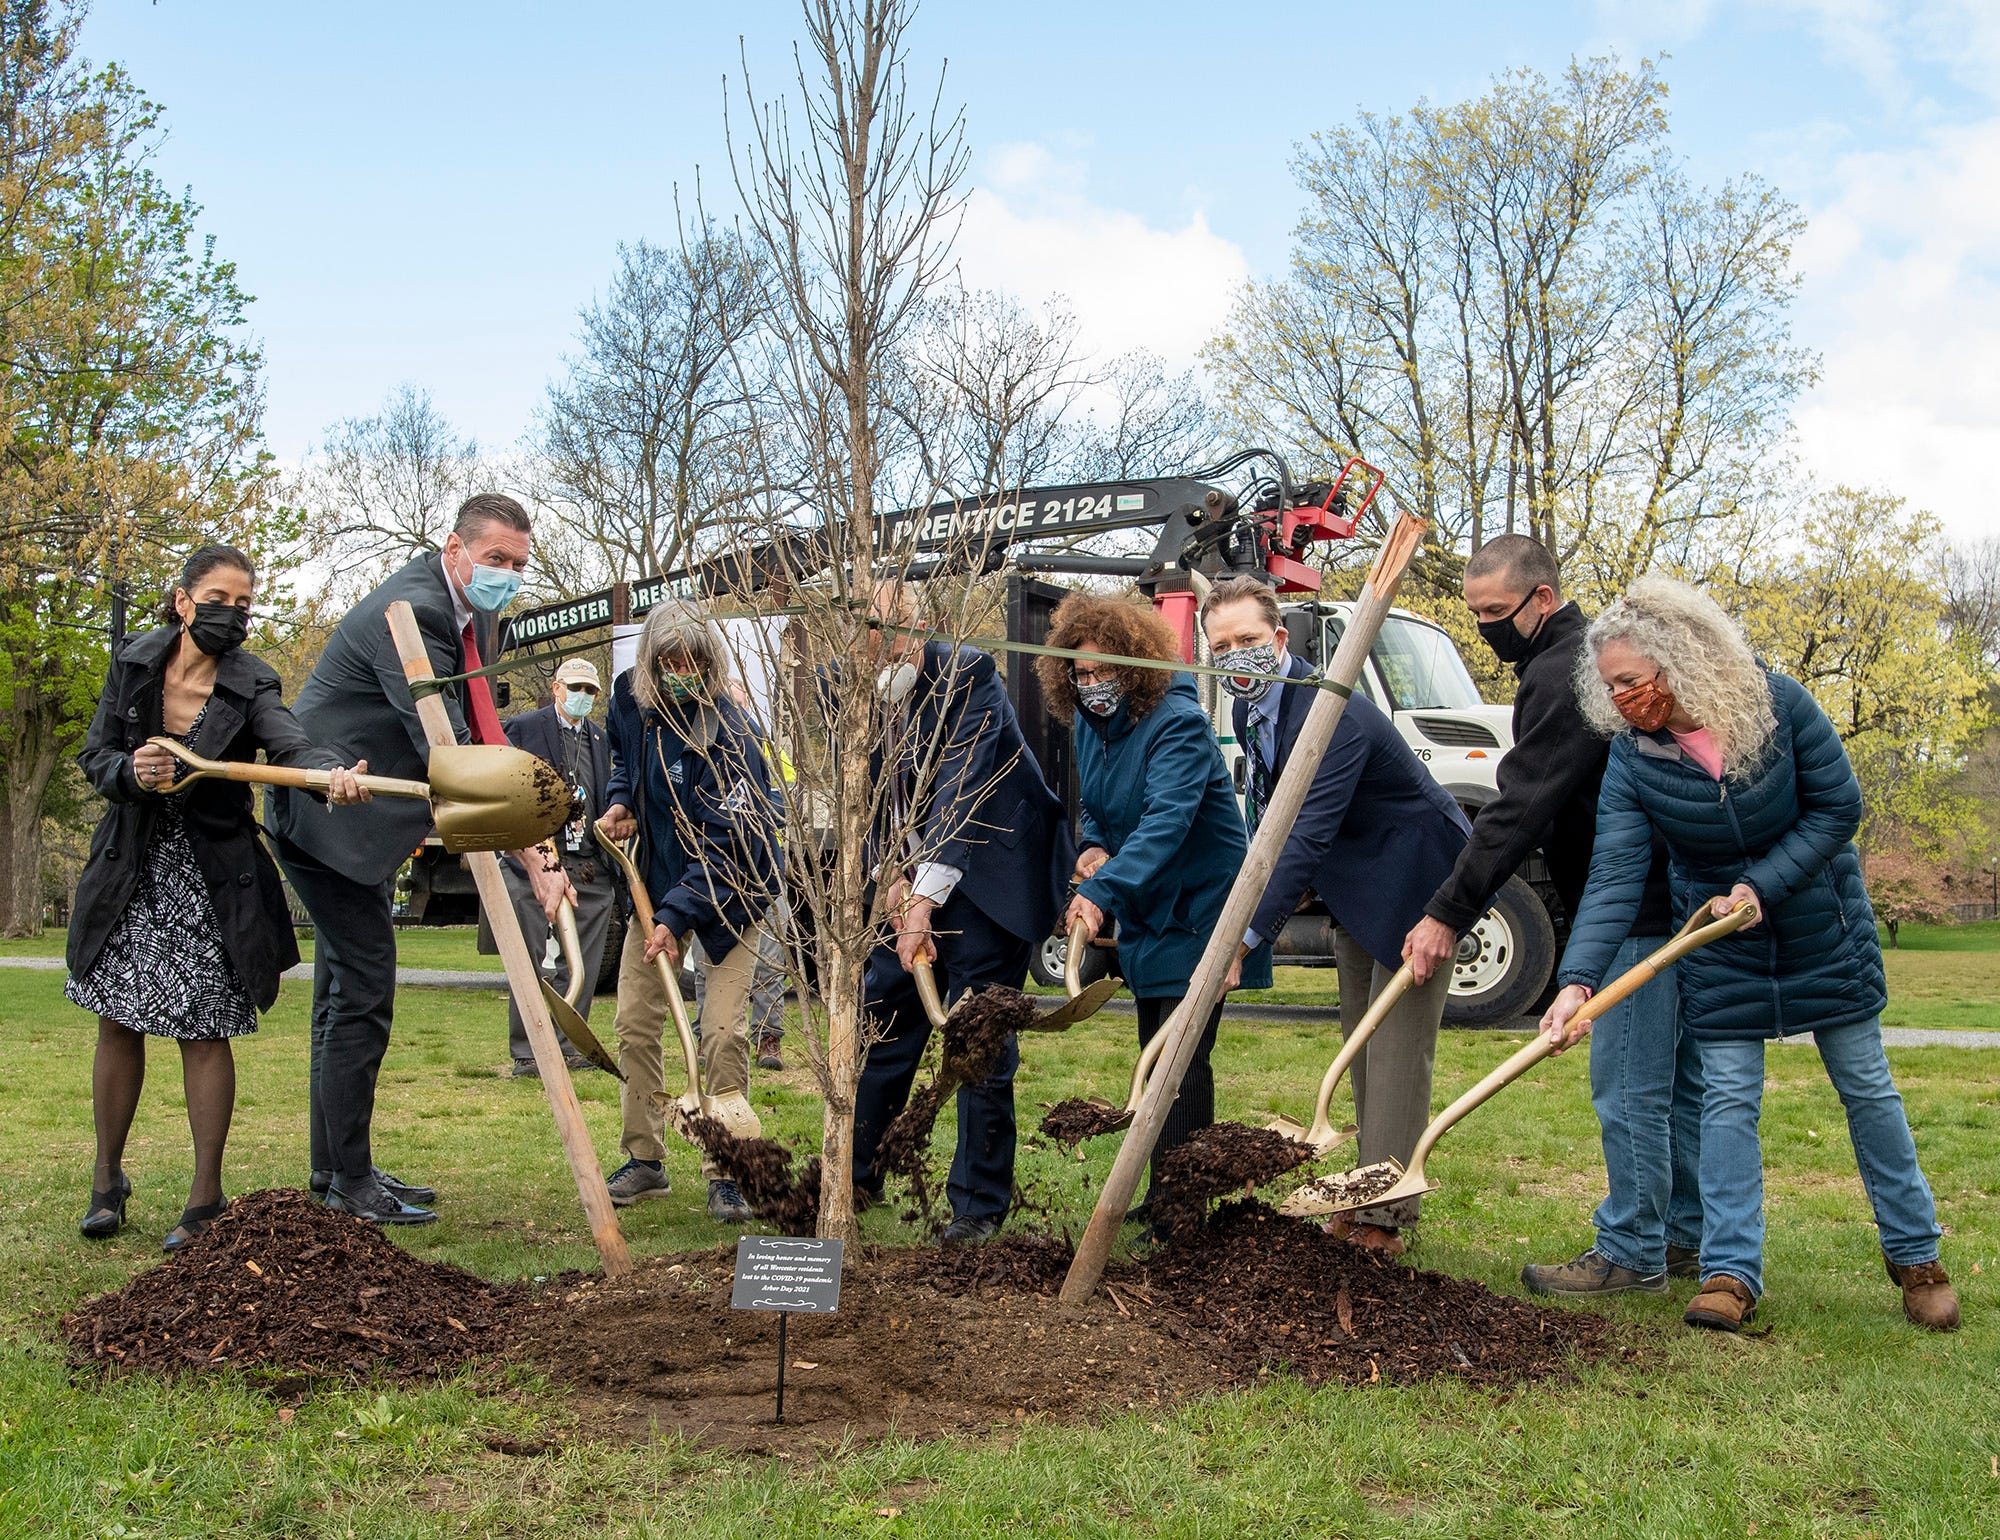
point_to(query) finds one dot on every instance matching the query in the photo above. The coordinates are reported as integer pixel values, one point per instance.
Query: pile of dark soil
(285, 1282)
(1073, 1121)
(925, 1342)
(762, 1168)
(1222, 1158)
(1260, 1291)
(975, 1033)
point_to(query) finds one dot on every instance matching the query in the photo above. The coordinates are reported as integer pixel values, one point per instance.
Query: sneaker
(1724, 1304)
(527, 1069)
(1683, 1262)
(576, 1061)
(726, 1205)
(968, 1231)
(768, 1056)
(636, 1181)
(1591, 1273)
(1928, 1300)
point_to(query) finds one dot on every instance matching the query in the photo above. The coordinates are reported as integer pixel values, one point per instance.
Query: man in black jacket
(357, 703)
(563, 733)
(1645, 1083)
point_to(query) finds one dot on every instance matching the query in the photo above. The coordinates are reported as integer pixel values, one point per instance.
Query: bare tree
(1150, 423)
(1972, 597)
(638, 447)
(854, 200)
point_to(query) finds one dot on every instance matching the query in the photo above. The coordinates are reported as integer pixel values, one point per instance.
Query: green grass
(1843, 1421)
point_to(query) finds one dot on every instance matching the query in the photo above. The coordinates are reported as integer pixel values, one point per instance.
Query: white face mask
(896, 680)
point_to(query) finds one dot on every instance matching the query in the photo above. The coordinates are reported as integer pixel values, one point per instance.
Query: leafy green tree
(129, 401)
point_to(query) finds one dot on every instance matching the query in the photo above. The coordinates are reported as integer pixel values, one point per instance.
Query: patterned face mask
(1646, 705)
(1260, 659)
(1100, 697)
(676, 686)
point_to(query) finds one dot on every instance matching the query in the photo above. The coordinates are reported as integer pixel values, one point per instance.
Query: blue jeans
(1732, 1160)
(1645, 1085)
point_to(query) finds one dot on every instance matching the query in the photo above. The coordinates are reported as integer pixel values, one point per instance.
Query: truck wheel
(614, 948)
(1047, 961)
(1503, 961)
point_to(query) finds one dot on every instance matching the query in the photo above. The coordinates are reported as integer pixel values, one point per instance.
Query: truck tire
(1503, 962)
(614, 948)
(1047, 961)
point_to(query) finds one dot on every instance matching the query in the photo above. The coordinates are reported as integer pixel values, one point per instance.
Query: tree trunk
(30, 761)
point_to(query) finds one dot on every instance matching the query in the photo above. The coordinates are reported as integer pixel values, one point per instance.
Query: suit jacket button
(243, 879)
(111, 854)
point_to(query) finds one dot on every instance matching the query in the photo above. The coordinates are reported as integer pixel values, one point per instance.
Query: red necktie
(479, 697)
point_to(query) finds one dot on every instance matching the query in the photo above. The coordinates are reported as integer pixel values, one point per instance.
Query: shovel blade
(572, 1026)
(1086, 1004)
(495, 797)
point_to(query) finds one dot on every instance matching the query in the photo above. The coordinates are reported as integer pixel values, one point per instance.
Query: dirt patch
(762, 1169)
(283, 1282)
(1222, 1158)
(1265, 1292)
(925, 1342)
(1073, 1121)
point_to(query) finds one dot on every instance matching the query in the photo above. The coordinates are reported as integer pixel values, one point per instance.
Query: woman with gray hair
(1745, 779)
(689, 777)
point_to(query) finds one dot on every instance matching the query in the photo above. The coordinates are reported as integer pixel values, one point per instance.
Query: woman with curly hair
(1161, 833)
(1745, 779)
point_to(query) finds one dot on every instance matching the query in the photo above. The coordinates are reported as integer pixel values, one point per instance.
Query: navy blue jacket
(709, 830)
(1156, 795)
(986, 809)
(1813, 962)
(1376, 835)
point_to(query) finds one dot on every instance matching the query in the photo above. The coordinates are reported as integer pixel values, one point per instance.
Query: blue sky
(427, 192)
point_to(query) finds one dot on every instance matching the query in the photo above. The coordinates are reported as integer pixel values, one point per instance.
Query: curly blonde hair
(1124, 626)
(1703, 658)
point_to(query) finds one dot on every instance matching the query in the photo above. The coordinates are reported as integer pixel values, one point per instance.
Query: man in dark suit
(344, 870)
(1374, 838)
(563, 734)
(992, 854)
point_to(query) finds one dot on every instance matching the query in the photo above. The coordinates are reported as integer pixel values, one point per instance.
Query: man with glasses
(563, 733)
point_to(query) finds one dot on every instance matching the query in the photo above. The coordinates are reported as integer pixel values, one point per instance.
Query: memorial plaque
(781, 1272)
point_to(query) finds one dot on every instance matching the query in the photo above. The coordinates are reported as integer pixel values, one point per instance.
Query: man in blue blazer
(1374, 838)
(993, 854)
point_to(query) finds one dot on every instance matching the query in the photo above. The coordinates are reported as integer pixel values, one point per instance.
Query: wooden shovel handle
(279, 775)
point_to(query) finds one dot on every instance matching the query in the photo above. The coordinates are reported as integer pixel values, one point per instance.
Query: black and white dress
(163, 969)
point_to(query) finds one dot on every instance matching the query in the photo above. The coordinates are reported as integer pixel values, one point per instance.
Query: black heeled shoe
(193, 1222)
(106, 1215)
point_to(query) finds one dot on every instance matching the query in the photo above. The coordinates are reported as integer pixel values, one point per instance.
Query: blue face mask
(491, 588)
(576, 705)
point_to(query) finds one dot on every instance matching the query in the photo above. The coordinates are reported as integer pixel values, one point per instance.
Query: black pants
(354, 998)
(973, 952)
(1194, 1108)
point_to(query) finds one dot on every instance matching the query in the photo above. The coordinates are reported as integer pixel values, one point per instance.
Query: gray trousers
(593, 923)
(1392, 1075)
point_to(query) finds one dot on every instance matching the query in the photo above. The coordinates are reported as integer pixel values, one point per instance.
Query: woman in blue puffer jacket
(1747, 782)
(1162, 836)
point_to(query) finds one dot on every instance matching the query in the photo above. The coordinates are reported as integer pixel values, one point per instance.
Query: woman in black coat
(180, 928)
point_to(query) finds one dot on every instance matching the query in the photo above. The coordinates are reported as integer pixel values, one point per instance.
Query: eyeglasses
(1090, 673)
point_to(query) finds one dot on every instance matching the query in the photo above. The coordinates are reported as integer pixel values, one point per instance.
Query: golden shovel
(562, 1008)
(1323, 1136)
(483, 796)
(1411, 1181)
(695, 1099)
(1082, 1002)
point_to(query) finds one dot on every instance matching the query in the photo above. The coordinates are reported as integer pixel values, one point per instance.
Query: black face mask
(218, 628)
(1508, 645)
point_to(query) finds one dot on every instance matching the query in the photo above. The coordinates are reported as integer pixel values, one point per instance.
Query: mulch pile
(762, 1168)
(1078, 1119)
(1222, 1158)
(1262, 1292)
(282, 1281)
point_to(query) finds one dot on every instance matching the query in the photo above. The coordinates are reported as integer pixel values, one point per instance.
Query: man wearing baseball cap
(563, 733)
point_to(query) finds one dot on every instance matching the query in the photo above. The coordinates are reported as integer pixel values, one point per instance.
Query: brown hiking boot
(1591, 1273)
(1927, 1297)
(768, 1056)
(1683, 1262)
(1724, 1304)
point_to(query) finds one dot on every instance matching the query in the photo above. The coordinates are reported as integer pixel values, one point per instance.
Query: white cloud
(1032, 230)
(1902, 296)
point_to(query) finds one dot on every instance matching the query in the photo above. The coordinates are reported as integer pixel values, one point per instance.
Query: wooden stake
(522, 980)
(1183, 1027)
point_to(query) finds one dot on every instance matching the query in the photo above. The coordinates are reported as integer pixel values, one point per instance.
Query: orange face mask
(1646, 705)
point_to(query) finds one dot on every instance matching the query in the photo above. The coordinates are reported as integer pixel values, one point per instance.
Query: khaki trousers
(725, 1046)
(1392, 1075)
